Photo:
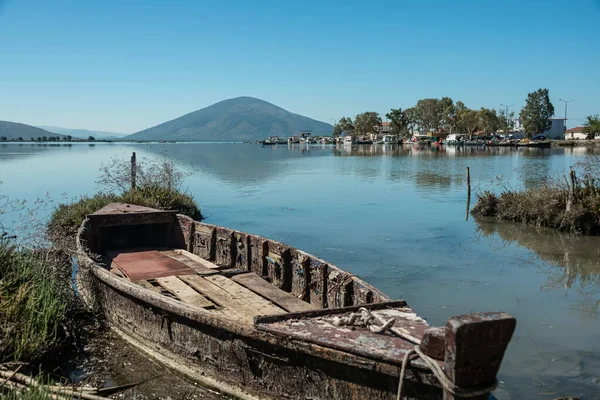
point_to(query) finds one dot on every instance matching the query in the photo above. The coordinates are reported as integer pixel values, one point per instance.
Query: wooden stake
(468, 192)
(469, 180)
(571, 194)
(133, 171)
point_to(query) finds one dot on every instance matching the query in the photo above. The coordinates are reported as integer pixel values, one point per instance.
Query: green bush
(33, 306)
(545, 206)
(66, 219)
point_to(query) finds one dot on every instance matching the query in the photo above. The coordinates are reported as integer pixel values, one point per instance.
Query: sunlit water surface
(397, 218)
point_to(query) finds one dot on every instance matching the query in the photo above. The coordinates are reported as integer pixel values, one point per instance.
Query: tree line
(444, 116)
(66, 138)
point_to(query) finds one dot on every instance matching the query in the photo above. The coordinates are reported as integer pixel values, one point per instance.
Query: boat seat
(239, 301)
(283, 299)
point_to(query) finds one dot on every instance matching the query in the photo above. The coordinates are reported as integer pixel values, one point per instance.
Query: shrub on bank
(546, 206)
(33, 302)
(66, 219)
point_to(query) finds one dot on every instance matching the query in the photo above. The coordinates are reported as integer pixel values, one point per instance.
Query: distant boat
(363, 140)
(539, 144)
(272, 140)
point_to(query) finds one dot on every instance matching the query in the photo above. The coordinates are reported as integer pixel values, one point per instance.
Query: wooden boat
(254, 318)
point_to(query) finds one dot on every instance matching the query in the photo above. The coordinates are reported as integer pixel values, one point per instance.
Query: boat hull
(241, 361)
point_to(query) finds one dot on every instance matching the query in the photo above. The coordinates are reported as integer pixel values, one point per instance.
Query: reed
(32, 302)
(570, 205)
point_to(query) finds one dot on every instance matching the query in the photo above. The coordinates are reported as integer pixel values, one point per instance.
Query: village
(444, 122)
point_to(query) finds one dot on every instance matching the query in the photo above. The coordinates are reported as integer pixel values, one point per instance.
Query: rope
(365, 318)
(441, 376)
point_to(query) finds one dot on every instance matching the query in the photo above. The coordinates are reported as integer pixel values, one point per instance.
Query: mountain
(84, 133)
(242, 118)
(15, 130)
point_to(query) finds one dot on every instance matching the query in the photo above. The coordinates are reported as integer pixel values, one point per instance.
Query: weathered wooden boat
(254, 318)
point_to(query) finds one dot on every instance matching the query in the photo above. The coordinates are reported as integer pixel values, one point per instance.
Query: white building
(557, 130)
(575, 133)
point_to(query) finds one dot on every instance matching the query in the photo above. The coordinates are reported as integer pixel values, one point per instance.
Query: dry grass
(547, 205)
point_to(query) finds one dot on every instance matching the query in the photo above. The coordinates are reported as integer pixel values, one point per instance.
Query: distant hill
(242, 118)
(15, 130)
(84, 133)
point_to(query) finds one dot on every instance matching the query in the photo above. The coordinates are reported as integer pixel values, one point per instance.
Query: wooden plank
(317, 289)
(251, 299)
(204, 241)
(242, 251)
(339, 288)
(198, 268)
(299, 264)
(147, 285)
(283, 299)
(278, 265)
(234, 306)
(257, 248)
(225, 247)
(183, 292)
(199, 260)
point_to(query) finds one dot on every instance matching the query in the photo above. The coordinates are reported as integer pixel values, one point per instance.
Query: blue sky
(130, 64)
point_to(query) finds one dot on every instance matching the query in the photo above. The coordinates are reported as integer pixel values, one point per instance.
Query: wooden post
(469, 181)
(468, 192)
(475, 346)
(571, 194)
(133, 171)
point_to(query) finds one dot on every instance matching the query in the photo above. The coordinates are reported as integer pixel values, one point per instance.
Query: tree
(3, 138)
(367, 122)
(412, 119)
(44, 138)
(488, 120)
(344, 125)
(91, 138)
(467, 120)
(537, 112)
(506, 124)
(431, 114)
(591, 125)
(32, 138)
(20, 139)
(448, 113)
(398, 121)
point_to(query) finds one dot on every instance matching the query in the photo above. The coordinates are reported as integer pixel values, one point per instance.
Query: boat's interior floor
(192, 280)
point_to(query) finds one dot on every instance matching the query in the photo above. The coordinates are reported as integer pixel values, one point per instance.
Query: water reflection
(244, 164)
(571, 262)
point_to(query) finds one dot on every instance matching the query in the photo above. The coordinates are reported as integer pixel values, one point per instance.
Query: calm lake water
(396, 217)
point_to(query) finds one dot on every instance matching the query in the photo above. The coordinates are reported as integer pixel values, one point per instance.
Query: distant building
(557, 130)
(517, 125)
(385, 128)
(419, 135)
(575, 133)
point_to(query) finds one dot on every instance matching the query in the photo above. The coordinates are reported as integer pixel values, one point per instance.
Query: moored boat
(255, 318)
(534, 143)
(273, 140)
